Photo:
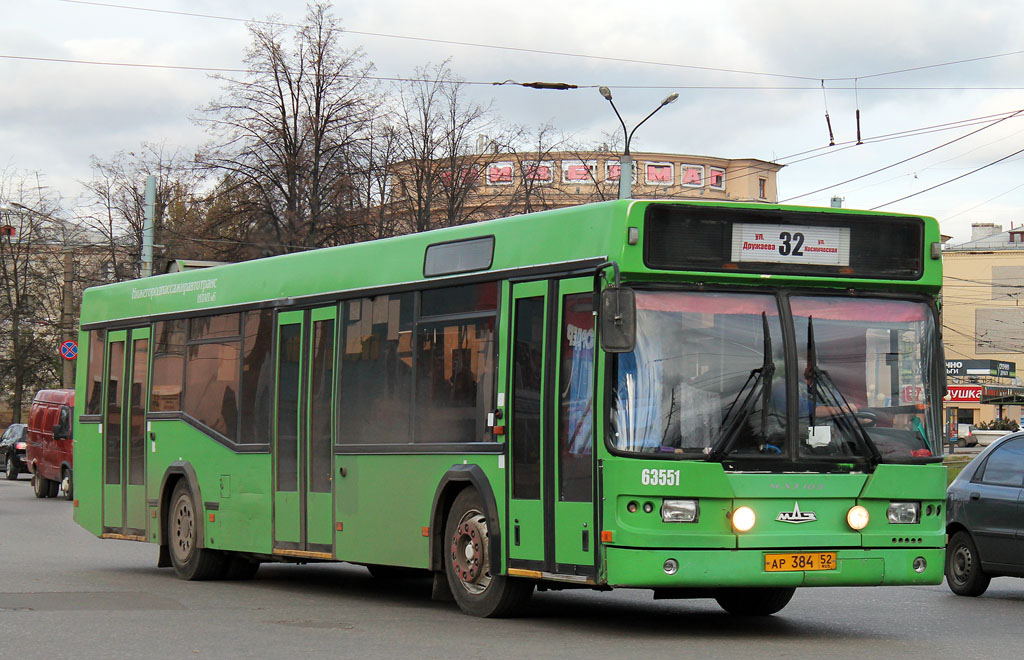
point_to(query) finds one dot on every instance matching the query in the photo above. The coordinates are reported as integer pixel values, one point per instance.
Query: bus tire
(467, 565)
(183, 519)
(40, 485)
(754, 601)
(963, 567)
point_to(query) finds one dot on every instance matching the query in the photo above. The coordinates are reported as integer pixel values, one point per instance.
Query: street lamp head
(605, 92)
(671, 98)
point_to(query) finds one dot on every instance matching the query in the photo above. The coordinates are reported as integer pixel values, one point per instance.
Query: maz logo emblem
(796, 515)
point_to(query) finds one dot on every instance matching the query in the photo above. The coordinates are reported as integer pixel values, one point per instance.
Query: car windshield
(707, 379)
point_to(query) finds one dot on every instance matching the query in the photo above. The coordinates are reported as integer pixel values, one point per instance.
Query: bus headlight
(857, 517)
(743, 519)
(904, 513)
(680, 511)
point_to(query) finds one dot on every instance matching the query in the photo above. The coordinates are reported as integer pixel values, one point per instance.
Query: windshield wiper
(821, 382)
(760, 383)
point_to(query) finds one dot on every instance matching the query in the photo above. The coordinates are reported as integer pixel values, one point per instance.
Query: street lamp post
(625, 161)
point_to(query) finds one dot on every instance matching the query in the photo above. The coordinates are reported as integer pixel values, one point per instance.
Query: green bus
(708, 400)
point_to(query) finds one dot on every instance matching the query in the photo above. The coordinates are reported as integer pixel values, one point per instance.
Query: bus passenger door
(573, 429)
(124, 432)
(550, 427)
(524, 424)
(304, 433)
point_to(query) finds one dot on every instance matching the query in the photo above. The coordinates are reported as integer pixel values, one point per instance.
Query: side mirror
(618, 320)
(58, 431)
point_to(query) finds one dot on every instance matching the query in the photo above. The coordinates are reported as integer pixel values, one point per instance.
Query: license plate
(800, 561)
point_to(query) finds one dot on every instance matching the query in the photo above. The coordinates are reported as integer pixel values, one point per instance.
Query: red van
(48, 455)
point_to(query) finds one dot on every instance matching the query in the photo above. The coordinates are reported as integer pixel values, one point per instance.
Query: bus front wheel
(476, 590)
(190, 561)
(754, 601)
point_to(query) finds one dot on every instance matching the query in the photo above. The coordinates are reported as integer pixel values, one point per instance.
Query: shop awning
(1002, 396)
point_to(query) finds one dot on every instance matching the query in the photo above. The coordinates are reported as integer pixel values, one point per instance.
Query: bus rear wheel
(189, 560)
(476, 590)
(760, 601)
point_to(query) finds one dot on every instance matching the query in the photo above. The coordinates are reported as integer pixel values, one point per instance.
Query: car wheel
(963, 567)
(40, 485)
(12, 469)
(66, 484)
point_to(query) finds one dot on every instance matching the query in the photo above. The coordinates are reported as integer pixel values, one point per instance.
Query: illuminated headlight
(743, 519)
(857, 517)
(680, 511)
(904, 513)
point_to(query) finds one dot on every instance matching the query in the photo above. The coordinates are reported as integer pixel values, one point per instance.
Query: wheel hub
(468, 552)
(183, 530)
(961, 564)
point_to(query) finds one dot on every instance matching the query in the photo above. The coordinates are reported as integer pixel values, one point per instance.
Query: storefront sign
(996, 368)
(964, 393)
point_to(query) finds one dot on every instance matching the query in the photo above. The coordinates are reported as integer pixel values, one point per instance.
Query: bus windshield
(708, 379)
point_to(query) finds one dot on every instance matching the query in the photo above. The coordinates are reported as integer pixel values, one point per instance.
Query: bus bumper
(628, 567)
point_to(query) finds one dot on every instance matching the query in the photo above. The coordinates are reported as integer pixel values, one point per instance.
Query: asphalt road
(66, 594)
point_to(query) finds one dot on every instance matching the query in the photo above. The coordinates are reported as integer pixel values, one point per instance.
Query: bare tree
(115, 214)
(32, 243)
(287, 132)
(536, 188)
(443, 156)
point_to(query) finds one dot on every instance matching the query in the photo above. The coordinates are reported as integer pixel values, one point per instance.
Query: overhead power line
(948, 181)
(909, 158)
(536, 51)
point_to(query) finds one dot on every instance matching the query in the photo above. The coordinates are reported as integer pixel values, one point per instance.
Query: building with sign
(983, 318)
(491, 185)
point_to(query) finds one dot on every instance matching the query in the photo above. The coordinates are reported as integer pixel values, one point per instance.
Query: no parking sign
(69, 349)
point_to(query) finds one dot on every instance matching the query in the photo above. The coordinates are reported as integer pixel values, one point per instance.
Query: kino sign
(981, 368)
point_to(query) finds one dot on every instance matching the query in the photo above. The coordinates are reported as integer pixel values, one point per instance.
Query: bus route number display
(791, 244)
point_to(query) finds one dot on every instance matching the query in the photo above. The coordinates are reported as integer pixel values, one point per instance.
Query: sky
(755, 80)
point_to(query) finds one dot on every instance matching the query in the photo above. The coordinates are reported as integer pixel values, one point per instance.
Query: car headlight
(904, 513)
(680, 511)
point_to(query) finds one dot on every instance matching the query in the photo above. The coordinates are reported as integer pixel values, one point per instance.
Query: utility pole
(66, 316)
(147, 227)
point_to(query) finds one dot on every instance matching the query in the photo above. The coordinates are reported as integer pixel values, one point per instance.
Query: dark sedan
(12, 450)
(983, 518)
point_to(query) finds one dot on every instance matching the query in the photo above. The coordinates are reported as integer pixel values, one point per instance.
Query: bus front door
(550, 427)
(304, 433)
(124, 433)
